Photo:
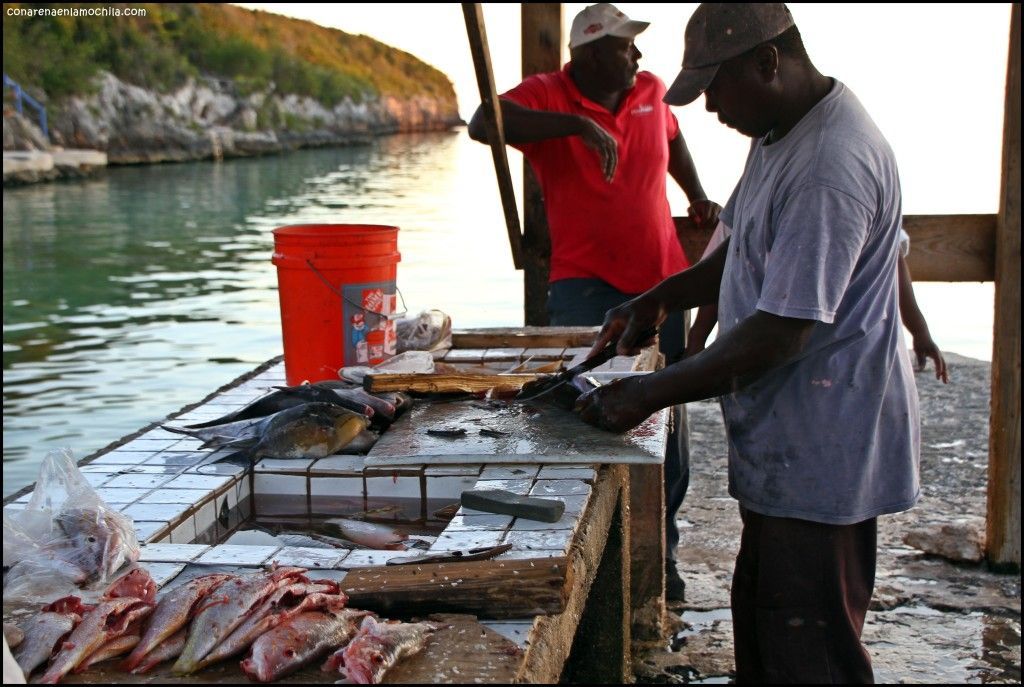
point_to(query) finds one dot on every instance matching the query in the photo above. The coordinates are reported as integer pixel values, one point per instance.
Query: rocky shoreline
(209, 119)
(931, 619)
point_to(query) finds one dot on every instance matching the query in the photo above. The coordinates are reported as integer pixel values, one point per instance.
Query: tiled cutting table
(559, 581)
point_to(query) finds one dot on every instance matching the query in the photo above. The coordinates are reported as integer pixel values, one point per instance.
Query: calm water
(131, 295)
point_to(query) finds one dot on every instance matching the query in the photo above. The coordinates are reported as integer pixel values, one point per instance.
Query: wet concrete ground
(931, 620)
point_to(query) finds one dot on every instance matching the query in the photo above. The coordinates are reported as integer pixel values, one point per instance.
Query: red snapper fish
(299, 641)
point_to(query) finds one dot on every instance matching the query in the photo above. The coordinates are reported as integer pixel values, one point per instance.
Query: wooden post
(1003, 526)
(477, 34)
(542, 52)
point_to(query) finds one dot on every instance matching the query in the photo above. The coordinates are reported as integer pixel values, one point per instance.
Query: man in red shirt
(600, 141)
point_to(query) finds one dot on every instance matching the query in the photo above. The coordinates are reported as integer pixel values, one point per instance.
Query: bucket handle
(339, 294)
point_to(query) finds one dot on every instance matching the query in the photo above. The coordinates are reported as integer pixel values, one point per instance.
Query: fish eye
(289, 653)
(377, 658)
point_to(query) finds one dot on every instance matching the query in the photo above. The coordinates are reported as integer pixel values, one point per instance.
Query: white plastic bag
(66, 536)
(429, 331)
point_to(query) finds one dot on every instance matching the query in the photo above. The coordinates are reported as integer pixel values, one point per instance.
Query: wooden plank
(647, 551)
(524, 337)
(942, 247)
(515, 588)
(434, 383)
(551, 639)
(542, 52)
(951, 247)
(462, 652)
(1003, 526)
(474, 15)
(602, 649)
(528, 433)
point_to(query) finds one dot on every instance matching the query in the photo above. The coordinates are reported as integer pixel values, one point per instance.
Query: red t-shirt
(621, 232)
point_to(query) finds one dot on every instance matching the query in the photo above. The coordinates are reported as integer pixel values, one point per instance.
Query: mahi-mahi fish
(171, 615)
(226, 609)
(300, 640)
(377, 647)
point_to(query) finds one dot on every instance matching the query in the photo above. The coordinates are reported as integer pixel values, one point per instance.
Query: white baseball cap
(600, 20)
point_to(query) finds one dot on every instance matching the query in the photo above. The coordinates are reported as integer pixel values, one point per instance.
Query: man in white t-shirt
(810, 367)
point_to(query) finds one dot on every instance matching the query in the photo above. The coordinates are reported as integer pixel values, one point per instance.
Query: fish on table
(94, 543)
(171, 615)
(283, 398)
(127, 601)
(300, 640)
(313, 430)
(226, 609)
(377, 647)
(45, 630)
(285, 602)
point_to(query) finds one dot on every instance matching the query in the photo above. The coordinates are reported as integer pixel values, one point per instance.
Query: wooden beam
(951, 247)
(542, 52)
(525, 337)
(447, 383)
(474, 14)
(942, 247)
(489, 589)
(1003, 525)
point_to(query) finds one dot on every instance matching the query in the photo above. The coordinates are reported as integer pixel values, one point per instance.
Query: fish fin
(177, 430)
(223, 420)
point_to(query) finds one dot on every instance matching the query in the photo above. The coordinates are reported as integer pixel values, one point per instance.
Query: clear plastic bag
(65, 538)
(428, 331)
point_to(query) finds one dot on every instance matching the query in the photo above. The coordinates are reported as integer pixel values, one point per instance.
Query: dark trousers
(800, 592)
(584, 302)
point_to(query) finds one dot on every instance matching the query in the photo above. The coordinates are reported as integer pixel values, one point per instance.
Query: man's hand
(925, 348)
(704, 213)
(627, 321)
(616, 407)
(603, 143)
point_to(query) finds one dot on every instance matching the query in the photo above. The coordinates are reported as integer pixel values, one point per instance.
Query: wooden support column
(542, 52)
(1003, 527)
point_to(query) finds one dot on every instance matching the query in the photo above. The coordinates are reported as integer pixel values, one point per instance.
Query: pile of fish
(283, 618)
(304, 421)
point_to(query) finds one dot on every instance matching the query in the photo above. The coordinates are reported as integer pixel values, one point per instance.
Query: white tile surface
(122, 458)
(390, 487)
(560, 487)
(509, 472)
(490, 521)
(289, 485)
(169, 512)
(171, 553)
(585, 473)
(449, 487)
(149, 530)
(296, 465)
(162, 573)
(516, 630)
(555, 540)
(365, 558)
(438, 470)
(345, 465)
(185, 532)
(116, 497)
(516, 486)
(238, 555)
(181, 496)
(308, 557)
(456, 540)
(193, 481)
(337, 486)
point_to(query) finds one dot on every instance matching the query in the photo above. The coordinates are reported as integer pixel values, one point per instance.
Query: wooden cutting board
(512, 433)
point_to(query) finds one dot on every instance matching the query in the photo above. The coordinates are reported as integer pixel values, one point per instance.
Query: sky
(932, 76)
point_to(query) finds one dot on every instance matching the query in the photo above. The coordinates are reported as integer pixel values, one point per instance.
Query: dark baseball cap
(719, 31)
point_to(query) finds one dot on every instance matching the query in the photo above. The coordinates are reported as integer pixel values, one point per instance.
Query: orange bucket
(338, 297)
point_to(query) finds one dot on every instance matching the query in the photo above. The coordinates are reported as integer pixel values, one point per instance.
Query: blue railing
(19, 95)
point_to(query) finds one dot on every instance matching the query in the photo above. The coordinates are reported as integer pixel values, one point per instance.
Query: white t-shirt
(833, 436)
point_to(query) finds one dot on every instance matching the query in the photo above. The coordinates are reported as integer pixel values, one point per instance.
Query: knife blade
(541, 387)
